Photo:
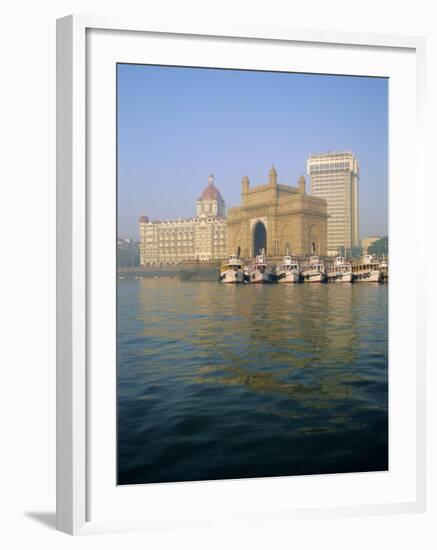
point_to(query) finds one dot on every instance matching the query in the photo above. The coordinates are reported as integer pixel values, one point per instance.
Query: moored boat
(232, 271)
(288, 271)
(260, 271)
(314, 271)
(383, 266)
(367, 270)
(340, 271)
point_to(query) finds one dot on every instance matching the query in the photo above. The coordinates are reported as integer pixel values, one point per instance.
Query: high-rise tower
(334, 176)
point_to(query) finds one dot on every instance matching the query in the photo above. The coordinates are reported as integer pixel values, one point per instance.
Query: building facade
(277, 218)
(201, 238)
(334, 177)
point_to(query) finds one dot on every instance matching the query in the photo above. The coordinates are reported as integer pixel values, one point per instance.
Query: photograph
(222, 336)
(252, 274)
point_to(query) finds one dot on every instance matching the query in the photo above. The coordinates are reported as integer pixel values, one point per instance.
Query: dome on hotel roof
(144, 219)
(211, 193)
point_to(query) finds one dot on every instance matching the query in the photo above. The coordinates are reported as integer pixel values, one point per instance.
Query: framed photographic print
(240, 323)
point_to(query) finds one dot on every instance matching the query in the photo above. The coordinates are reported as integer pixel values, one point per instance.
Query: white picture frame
(74, 340)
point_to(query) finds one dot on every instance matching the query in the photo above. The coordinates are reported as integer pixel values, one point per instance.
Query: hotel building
(334, 177)
(199, 238)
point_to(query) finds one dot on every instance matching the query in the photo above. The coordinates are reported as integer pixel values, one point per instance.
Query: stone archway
(235, 244)
(259, 238)
(285, 240)
(315, 240)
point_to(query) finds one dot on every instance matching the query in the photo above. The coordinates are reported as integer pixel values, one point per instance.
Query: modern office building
(334, 176)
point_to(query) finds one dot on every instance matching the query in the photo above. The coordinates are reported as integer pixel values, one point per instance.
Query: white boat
(340, 271)
(232, 271)
(314, 271)
(260, 271)
(367, 270)
(288, 271)
(383, 266)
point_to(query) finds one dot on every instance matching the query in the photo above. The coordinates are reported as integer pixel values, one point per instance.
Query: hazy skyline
(177, 125)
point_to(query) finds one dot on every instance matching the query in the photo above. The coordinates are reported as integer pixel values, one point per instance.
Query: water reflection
(296, 363)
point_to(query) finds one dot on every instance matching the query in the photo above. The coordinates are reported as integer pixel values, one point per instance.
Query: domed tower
(211, 203)
(301, 185)
(273, 177)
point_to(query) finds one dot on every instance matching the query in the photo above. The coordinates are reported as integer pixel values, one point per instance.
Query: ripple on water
(214, 382)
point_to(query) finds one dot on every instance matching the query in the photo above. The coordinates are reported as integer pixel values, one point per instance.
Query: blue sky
(176, 125)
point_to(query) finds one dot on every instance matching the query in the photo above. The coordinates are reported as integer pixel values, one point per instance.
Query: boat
(340, 271)
(232, 271)
(383, 266)
(288, 271)
(367, 270)
(260, 271)
(314, 271)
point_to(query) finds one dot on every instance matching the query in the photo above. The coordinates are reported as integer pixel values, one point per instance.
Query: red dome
(144, 219)
(211, 193)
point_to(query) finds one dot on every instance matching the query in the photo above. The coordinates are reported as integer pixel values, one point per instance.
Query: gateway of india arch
(277, 218)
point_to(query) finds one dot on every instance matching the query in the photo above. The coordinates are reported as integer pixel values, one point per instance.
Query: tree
(379, 247)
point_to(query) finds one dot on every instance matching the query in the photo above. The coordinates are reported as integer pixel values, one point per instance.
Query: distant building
(201, 238)
(368, 241)
(334, 177)
(128, 253)
(277, 218)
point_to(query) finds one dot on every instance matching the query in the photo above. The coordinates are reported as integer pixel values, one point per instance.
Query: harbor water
(232, 381)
